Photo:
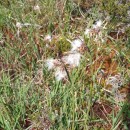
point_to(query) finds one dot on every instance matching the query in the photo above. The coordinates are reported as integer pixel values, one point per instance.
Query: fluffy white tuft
(76, 44)
(19, 25)
(60, 74)
(36, 7)
(87, 32)
(48, 38)
(72, 59)
(50, 63)
(98, 24)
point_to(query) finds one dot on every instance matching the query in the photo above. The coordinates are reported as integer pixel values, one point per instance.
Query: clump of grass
(117, 10)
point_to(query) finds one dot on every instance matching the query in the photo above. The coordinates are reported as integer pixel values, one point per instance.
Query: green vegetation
(30, 96)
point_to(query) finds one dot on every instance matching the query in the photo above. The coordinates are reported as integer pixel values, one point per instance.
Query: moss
(63, 45)
(58, 47)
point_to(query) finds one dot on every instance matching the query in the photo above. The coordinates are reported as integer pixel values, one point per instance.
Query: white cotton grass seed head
(60, 74)
(98, 24)
(48, 37)
(37, 8)
(19, 25)
(27, 24)
(77, 43)
(72, 59)
(87, 32)
(50, 63)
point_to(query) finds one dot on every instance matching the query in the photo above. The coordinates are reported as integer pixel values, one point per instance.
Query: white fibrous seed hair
(87, 32)
(77, 43)
(60, 74)
(115, 81)
(36, 7)
(19, 25)
(27, 24)
(72, 59)
(48, 38)
(50, 63)
(98, 24)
